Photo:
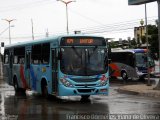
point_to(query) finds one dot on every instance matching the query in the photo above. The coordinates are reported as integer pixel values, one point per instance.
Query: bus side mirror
(109, 61)
(109, 52)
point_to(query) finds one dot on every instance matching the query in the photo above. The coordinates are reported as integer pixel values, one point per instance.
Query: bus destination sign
(83, 41)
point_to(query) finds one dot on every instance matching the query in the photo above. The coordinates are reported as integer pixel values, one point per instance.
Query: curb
(150, 95)
(142, 92)
(127, 91)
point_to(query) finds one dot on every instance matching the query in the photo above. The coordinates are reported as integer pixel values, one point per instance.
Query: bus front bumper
(140, 74)
(71, 91)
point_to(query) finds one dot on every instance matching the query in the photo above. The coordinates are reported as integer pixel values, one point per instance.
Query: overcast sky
(89, 16)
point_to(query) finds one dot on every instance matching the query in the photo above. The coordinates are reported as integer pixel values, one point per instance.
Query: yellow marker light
(43, 69)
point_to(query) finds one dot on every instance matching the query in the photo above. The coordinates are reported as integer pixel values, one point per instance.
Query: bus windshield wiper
(75, 51)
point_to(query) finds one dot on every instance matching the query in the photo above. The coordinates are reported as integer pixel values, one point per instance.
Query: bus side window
(131, 60)
(10, 59)
(21, 60)
(40, 53)
(113, 57)
(45, 53)
(19, 54)
(15, 59)
(6, 57)
(36, 54)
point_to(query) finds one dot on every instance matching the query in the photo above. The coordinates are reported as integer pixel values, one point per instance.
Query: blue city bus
(68, 65)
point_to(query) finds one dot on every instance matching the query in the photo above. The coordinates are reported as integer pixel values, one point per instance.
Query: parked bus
(131, 64)
(60, 66)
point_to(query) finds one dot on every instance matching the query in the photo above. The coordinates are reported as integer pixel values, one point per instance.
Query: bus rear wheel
(124, 76)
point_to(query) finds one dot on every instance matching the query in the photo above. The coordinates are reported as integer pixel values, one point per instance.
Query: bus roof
(48, 39)
(44, 40)
(130, 50)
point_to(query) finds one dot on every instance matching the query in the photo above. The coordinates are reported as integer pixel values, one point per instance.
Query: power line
(112, 27)
(86, 17)
(103, 26)
(118, 24)
(108, 28)
(25, 5)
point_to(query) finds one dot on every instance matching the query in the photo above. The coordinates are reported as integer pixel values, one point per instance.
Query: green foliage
(143, 39)
(113, 44)
(133, 43)
(153, 40)
(152, 29)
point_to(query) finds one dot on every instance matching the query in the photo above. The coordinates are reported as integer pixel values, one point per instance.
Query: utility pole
(47, 33)
(158, 85)
(9, 22)
(146, 24)
(66, 3)
(141, 27)
(159, 29)
(32, 30)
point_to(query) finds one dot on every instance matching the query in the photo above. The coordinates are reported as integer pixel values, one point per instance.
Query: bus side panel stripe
(115, 70)
(24, 83)
(33, 78)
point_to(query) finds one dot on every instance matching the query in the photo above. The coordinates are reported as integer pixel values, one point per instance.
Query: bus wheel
(85, 97)
(142, 79)
(124, 76)
(16, 87)
(45, 91)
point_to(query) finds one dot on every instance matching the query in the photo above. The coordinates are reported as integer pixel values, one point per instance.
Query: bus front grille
(85, 85)
(85, 90)
(85, 80)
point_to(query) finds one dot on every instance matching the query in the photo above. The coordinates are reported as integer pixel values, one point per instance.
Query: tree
(143, 39)
(153, 40)
(113, 44)
(133, 43)
(158, 26)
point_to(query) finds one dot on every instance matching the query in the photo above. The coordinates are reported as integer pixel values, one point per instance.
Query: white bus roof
(130, 50)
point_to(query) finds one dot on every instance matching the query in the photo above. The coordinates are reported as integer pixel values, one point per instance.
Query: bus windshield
(141, 60)
(83, 61)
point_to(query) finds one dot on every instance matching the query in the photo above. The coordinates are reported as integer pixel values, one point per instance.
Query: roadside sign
(138, 2)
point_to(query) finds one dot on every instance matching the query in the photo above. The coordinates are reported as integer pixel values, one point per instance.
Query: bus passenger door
(27, 68)
(11, 68)
(54, 71)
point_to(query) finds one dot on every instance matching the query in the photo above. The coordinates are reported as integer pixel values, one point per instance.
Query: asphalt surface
(33, 106)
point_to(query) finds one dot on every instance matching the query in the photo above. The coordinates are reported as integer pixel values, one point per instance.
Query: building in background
(139, 34)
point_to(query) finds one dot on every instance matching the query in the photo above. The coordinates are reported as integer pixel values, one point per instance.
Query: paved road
(34, 107)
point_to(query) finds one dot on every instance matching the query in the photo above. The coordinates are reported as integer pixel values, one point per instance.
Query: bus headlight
(66, 83)
(103, 81)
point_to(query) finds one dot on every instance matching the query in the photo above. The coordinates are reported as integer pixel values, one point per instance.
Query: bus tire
(124, 76)
(15, 84)
(85, 97)
(44, 89)
(142, 79)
